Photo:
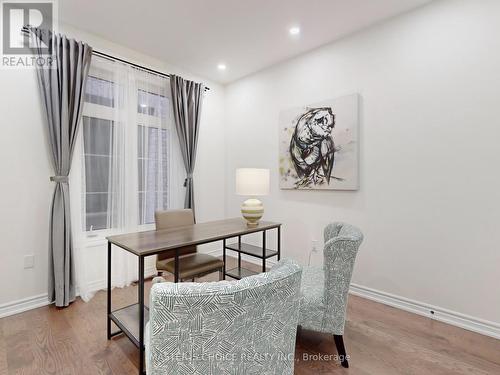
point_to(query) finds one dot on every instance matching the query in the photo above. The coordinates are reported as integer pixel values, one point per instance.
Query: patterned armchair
(241, 327)
(324, 290)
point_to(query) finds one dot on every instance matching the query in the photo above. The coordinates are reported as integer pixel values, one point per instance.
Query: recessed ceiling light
(221, 66)
(294, 30)
(143, 105)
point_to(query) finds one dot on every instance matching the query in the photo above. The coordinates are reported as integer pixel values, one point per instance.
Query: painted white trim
(150, 271)
(454, 318)
(97, 285)
(25, 304)
(30, 303)
(215, 253)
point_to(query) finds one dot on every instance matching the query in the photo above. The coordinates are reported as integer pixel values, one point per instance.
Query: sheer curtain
(130, 167)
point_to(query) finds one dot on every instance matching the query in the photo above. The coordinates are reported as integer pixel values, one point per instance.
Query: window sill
(99, 236)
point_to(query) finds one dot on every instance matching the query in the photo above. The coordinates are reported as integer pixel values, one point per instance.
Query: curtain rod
(25, 30)
(113, 58)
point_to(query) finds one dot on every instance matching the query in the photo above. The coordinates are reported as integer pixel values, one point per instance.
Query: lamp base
(252, 210)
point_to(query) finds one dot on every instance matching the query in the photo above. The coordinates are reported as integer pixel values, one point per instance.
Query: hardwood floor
(378, 338)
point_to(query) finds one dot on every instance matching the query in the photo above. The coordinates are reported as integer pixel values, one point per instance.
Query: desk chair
(191, 264)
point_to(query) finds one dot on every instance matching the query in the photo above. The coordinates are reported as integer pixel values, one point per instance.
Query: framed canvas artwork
(319, 145)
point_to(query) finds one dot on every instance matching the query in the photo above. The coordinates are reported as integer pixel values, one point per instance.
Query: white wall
(429, 203)
(25, 190)
(429, 200)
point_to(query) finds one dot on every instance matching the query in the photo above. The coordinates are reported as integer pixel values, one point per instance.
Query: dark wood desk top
(155, 241)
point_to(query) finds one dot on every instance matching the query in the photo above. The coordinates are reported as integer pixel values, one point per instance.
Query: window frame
(141, 119)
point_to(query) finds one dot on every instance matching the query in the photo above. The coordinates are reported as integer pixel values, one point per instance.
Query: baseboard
(215, 253)
(30, 303)
(470, 323)
(96, 285)
(454, 318)
(25, 304)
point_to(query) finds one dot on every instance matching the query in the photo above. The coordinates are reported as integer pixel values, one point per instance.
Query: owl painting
(318, 146)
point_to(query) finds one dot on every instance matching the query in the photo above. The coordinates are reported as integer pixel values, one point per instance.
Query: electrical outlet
(315, 246)
(29, 261)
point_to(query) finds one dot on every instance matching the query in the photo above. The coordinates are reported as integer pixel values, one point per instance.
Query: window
(153, 186)
(97, 153)
(126, 125)
(99, 91)
(152, 104)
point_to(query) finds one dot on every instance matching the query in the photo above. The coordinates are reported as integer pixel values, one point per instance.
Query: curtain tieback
(63, 179)
(189, 177)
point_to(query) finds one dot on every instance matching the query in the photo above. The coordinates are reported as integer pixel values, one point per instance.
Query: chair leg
(221, 275)
(339, 343)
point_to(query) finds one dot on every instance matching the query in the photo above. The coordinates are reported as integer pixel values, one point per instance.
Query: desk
(132, 319)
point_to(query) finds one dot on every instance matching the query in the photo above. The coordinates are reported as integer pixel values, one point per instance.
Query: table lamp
(252, 182)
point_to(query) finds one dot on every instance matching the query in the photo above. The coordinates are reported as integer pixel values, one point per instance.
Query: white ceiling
(246, 35)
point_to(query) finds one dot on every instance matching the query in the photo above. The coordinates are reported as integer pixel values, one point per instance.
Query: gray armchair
(241, 327)
(324, 290)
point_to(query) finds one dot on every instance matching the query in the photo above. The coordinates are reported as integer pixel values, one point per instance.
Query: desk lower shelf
(252, 250)
(246, 249)
(239, 273)
(127, 319)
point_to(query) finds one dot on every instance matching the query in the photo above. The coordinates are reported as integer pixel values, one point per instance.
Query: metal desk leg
(176, 270)
(109, 291)
(264, 251)
(224, 259)
(239, 252)
(279, 243)
(141, 315)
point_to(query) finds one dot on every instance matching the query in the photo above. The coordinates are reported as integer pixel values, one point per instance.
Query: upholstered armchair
(226, 327)
(324, 289)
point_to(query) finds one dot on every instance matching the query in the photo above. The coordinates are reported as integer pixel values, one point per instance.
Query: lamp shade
(252, 181)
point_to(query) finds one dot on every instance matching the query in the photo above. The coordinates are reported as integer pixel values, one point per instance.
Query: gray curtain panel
(62, 87)
(187, 99)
